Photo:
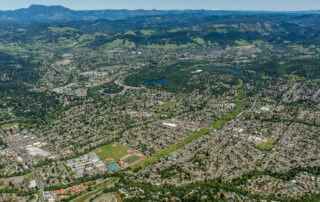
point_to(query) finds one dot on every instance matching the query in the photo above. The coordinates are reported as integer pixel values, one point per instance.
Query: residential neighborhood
(159, 105)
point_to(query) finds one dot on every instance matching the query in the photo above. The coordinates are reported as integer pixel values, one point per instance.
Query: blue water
(156, 81)
(228, 69)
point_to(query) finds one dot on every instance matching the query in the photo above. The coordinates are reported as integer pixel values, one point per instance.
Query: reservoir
(155, 81)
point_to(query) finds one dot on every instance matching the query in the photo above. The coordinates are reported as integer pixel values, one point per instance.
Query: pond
(228, 69)
(155, 81)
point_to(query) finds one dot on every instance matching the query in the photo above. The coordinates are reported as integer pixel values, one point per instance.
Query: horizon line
(185, 9)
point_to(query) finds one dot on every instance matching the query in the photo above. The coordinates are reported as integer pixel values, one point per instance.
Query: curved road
(125, 87)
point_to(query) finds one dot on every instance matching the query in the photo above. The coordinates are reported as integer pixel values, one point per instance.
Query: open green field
(266, 146)
(9, 125)
(242, 43)
(295, 78)
(112, 152)
(132, 159)
(62, 29)
(85, 197)
(4, 186)
(30, 176)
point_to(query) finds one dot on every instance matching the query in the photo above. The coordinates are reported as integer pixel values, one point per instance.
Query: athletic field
(112, 152)
(131, 159)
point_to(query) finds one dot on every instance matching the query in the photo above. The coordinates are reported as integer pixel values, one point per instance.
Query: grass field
(132, 159)
(120, 43)
(146, 32)
(30, 176)
(5, 186)
(112, 152)
(266, 146)
(9, 125)
(62, 29)
(87, 195)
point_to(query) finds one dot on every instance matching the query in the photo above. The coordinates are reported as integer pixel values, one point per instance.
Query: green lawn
(132, 159)
(9, 125)
(5, 186)
(146, 32)
(62, 29)
(30, 176)
(85, 197)
(112, 152)
(242, 43)
(266, 146)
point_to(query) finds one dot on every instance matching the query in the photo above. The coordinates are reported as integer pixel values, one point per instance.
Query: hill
(40, 13)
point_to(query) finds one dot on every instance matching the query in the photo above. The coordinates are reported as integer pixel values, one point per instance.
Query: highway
(29, 160)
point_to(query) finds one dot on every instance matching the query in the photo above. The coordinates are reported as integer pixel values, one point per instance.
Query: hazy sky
(276, 5)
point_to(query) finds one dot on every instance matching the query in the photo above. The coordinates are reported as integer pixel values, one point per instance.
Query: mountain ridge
(57, 13)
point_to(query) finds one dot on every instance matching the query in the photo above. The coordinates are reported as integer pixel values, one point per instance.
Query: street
(29, 160)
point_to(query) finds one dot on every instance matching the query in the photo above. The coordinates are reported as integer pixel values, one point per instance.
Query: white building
(32, 184)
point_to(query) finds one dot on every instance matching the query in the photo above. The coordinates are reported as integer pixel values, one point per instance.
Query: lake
(228, 69)
(155, 81)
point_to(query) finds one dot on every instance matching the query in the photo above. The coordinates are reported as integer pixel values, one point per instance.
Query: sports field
(112, 152)
(131, 159)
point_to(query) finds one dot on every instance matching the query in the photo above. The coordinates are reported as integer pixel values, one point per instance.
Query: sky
(271, 5)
